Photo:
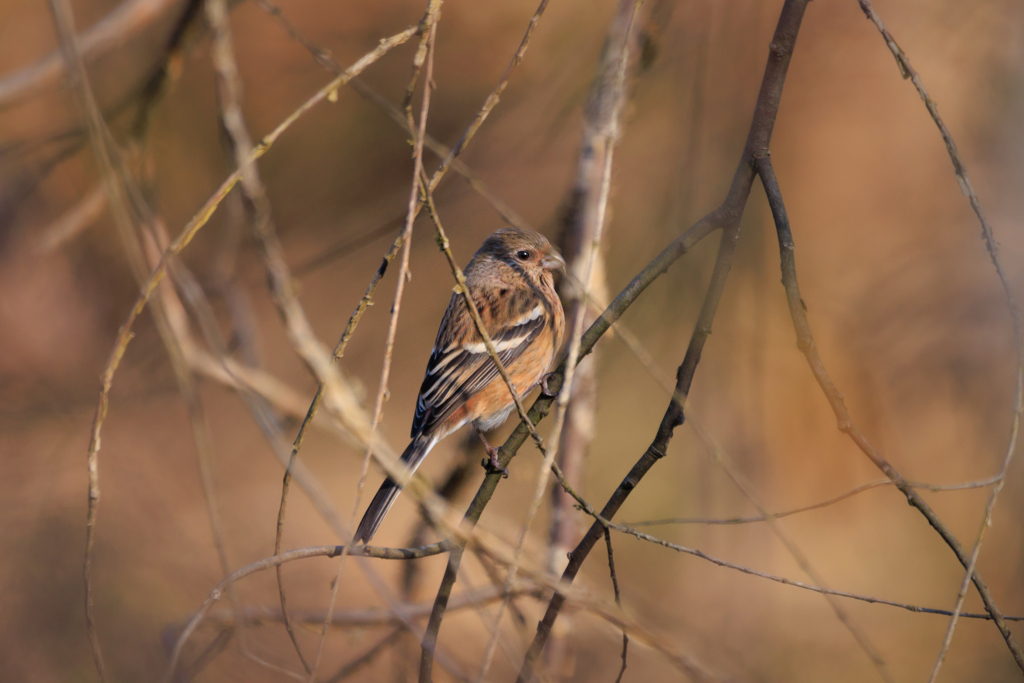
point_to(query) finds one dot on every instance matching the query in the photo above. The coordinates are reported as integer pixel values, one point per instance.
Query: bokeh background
(905, 304)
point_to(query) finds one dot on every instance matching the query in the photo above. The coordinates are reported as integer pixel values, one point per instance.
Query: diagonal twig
(727, 216)
(988, 235)
(422, 61)
(805, 342)
(814, 506)
(621, 528)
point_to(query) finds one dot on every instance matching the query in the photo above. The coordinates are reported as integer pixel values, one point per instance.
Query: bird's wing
(458, 368)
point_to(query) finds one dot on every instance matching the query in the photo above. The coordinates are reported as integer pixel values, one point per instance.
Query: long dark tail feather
(389, 490)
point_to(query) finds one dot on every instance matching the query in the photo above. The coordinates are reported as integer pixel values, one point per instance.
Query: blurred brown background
(903, 299)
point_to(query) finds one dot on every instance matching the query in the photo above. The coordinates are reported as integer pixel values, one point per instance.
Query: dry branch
(601, 124)
(805, 342)
(422, 61)
(790, 582)
(992, 246)
(130, 18)
(726, 216)
(359, 617)
(282, 558)
(814, 506)
(123, 196)
(125, 333)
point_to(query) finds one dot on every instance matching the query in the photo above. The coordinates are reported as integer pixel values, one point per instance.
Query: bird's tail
(389, 490)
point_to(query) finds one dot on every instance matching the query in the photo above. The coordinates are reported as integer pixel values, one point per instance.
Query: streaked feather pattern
(510, 282)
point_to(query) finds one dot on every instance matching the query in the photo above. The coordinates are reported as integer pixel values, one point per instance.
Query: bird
(510, 280)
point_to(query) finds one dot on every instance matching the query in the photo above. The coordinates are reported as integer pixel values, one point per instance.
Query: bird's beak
(553, 261)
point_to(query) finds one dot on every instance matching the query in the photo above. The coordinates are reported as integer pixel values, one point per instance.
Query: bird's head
(523, 249)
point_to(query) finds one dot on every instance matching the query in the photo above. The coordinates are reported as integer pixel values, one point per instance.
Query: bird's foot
(491, 463)
(548, 384)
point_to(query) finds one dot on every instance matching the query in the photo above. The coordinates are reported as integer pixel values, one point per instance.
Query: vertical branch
(282, 288)
(314, 407)
(728, 215)
(618, 600)
(120, 188)
(588, 257)
(608, 93)
(425, 53)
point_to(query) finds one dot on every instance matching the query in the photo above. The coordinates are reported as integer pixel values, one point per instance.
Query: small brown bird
(510, 281)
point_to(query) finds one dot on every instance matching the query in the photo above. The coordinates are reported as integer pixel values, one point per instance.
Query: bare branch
(618, 600)
(282, 558)
(423, 60)
(73, 222)
(790, 582)
(727, 215)
(122, 194)
(130, 18)
(805, 342)
(367, 657)
(907, 71)
(815, 506)
(361, 617)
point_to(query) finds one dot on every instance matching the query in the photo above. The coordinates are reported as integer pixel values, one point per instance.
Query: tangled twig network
(515, 573)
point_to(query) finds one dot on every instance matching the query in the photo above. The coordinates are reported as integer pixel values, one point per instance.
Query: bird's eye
(522, 254)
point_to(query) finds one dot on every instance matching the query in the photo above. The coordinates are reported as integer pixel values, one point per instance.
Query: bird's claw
(544, 385)
(491, 463)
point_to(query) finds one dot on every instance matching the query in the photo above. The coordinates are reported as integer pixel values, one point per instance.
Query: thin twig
(122, 193)
(264, 614)
(747, 488)
(282, 289)
(601, 121)
(988, 235)
(314, 407)
(618, 600)
(425, 54)
(209, 207)
(805, 342)
(72, 222)
(815, 506)
(131, 17)
(727, 215)
(219, 643)
(324, 58)
(125, 333)
(291, 556)
(790, 582)
(367, 657)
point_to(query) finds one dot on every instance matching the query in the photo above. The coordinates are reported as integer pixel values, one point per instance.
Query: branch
(367, 657)
(422, 61)
(125, 333)
(790, 582)
(310, 415)
(290, 556)
(815, 506)
(730, 211)
(907, 71)
(131, 17)
(362, 617)
(805, 342)
(601, 123)
(123, 195)
(618, 600)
